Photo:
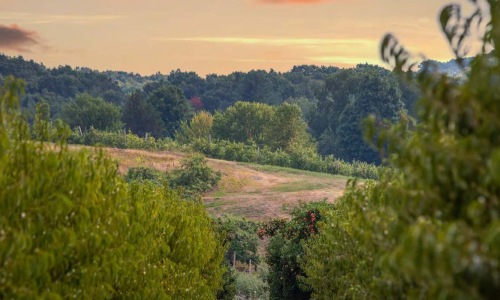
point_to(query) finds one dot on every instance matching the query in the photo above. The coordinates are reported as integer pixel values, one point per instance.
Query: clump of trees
(431, 230)
(71, 227)
(347, 98)
(158, 109)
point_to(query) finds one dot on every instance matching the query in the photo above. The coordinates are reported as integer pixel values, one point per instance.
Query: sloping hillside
(252, 191)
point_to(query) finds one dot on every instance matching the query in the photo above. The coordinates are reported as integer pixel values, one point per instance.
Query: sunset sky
(215, 36)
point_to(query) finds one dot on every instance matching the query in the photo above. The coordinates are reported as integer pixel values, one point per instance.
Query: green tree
(70, 226)
(287, 129)
(159, 110)
(171, 105)
(140, 116)
(243, 122)
(277, 127)
(87, 111)
(430, 229)
(200, 127)
(241, 235)
(285, 248)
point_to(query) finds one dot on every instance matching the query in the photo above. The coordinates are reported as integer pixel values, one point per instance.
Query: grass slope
(252, 191)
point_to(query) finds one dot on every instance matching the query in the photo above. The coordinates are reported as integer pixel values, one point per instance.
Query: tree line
(332, 101)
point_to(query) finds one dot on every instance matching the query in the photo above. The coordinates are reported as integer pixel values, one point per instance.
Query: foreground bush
(431, 231)
(70, 227)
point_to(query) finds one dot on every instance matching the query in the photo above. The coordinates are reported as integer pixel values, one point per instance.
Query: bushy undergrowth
(298, 158)
(143, 174)
(70, 227)
(193, 178)
(121, 140)
(251, 286)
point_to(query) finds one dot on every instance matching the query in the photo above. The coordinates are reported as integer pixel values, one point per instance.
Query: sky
(215, 36)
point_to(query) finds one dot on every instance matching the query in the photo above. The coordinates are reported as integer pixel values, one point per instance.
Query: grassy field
(252, 191)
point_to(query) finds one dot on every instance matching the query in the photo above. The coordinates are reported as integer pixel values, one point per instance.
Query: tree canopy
(430, 229)
(87, 111)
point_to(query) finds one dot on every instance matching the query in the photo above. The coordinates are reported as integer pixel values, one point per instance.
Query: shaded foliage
(285, 249)
(430, 230)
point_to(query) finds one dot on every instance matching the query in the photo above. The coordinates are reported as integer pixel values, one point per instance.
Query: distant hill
(452, 68)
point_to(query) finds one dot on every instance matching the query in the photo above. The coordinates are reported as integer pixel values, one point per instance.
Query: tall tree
(87, 111)
(200, 127)
(141, 117)
(287, 128)
(159, 109)
(171, 105)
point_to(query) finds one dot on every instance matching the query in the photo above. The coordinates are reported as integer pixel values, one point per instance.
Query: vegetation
(427, 228)
(194, 176)
(71, 227)
(251, 286)
(286, 247)
(143, 175)
(281, 110)
(431, 230)
(159, 110)
(90, 112)
(242, 241)
(241, 236)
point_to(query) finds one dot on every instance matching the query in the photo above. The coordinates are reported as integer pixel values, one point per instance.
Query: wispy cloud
(29, 18)
(304, 42)
(13, 37)
(348, 60)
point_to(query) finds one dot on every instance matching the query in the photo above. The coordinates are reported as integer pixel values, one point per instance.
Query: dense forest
(332, 101)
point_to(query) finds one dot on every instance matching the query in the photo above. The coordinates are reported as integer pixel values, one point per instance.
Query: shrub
(143, 174)
(250, 286)
(194, 176)
(70, 226)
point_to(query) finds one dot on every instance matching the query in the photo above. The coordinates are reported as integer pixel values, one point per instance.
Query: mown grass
(285, 170)
(298, 186)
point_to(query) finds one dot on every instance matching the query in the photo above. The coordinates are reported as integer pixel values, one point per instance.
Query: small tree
(195, 176)
(200, 127)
